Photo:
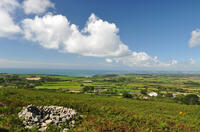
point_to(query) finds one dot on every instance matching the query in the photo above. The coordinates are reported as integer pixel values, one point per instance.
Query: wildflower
(180, 113)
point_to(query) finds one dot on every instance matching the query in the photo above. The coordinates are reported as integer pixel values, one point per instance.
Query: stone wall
(42, 116)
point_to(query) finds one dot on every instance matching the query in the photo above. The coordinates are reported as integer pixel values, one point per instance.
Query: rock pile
(42, 116)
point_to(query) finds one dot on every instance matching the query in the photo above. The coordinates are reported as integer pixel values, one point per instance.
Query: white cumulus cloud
(9, 5)
(142, 59)
(7, 24)
(49, 31)
(98, 38)
(195, 38)
(37, 6)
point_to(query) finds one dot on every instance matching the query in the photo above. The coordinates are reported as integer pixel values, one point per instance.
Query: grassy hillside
(106, 109)
(102, 113)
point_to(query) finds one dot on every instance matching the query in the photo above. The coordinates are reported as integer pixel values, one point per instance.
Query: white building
(153, 94)
(145, 97)
(174, 95)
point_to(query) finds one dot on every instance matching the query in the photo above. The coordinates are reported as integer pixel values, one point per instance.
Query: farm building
(145, 97)
(174, 95)
(153, 94)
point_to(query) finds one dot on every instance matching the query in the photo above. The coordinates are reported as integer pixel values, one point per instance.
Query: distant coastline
(84, 72)
(66, 72)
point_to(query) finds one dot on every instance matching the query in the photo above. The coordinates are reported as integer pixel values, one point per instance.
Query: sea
(68, 72)
(84, 72)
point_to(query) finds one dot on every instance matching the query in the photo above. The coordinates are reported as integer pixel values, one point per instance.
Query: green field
(107, 110)
(130, 82)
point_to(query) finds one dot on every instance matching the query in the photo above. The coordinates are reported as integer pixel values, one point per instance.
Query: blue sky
(130, 34)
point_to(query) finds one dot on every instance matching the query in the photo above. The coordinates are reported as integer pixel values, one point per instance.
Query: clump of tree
(190, 99)
(127, 95)
(169, 95)
(88, 89)
(49, 79)
(144, 91)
